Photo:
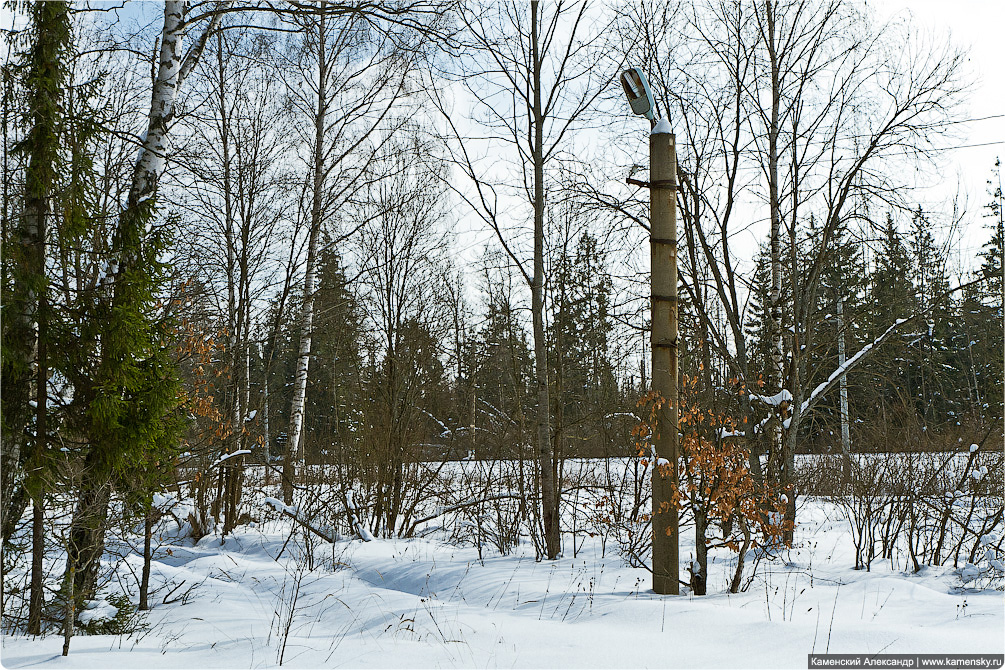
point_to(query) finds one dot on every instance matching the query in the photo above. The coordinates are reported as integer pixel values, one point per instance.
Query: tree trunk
(41, 432)
(37, 553)
(70, 609)
(148, 531)
(845, 429)
(734, 585)
(233, 289)
(549, 494)
(699, 577)
(265, 419)
(153, 151)
(777, 371)
(87, 534)
(295, 442)
(25, 340)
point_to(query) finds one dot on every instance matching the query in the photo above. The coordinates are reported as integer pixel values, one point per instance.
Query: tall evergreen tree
(502, 369)
(585, 390)
(502, 354)
(25, 368)
(758, 322)
(978, 342)
(334, 391)
(891, 297)
(929, 385)
(992, 264)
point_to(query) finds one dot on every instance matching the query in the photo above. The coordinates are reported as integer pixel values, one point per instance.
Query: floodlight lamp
(637, 90)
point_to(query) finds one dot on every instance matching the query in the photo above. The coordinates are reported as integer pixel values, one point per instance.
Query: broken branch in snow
(293, 513)
(870, 348)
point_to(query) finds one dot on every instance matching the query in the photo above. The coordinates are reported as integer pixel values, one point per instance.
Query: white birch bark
(845, 430)
(294, 445)
(150, 161)
(303, 364)
(777, 343)
(265, 418)
(171, 72)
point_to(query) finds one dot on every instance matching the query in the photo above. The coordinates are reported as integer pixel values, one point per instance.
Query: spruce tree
(334, 392)
(891, 297)
(127, 412)
(25, 368)
(992, 264)
(584, 389)
(979, 333)
(758, 322)
(502, 367)
(930, 385)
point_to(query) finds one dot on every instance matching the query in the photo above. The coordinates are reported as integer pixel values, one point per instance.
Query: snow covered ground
(259, 599)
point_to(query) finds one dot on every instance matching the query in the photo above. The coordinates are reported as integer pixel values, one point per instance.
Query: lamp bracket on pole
(662, 184)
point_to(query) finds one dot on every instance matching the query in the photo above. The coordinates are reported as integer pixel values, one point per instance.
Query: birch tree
(126, 295)
(535, 73)
(347, 76)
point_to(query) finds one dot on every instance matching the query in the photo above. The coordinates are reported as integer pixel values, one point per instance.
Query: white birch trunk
(294, 445)
(303, 356)
(777, 345)
(153, 150)
(171, 72)
(265, 418)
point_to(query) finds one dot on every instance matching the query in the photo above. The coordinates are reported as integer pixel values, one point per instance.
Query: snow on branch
(774, 400)
(835, 376)
(445, 432)
(865, 351)
(329, 535)
(227, 457)
(361, 530)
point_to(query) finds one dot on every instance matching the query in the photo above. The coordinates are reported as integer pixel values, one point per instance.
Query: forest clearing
(544, 333)
(274, 594)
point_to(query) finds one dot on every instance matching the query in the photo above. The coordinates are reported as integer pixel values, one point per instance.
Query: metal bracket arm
(661, 184)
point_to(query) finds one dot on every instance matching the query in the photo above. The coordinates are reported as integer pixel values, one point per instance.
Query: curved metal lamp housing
(640, 97)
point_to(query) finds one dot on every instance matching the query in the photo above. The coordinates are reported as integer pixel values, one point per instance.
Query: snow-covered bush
(988, 568)
(113, 614)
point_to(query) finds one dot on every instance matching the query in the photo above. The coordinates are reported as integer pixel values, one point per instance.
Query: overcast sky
(979, 26)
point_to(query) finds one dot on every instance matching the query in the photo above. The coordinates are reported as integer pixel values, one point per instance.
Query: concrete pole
(663, 247)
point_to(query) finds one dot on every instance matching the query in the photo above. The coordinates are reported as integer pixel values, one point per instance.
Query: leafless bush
(922, 507)
(621, 508)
